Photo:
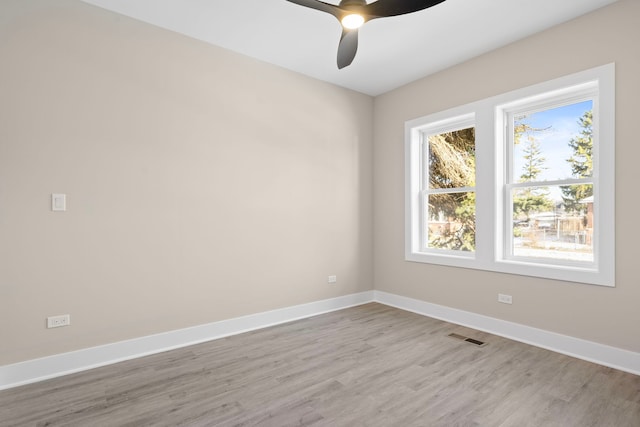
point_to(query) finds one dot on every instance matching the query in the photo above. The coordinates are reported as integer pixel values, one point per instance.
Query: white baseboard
(57, 365)
(601, 354)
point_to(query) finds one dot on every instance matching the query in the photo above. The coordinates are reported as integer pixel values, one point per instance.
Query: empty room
(341, 213)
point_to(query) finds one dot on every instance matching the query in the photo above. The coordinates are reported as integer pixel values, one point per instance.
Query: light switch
(58, 202)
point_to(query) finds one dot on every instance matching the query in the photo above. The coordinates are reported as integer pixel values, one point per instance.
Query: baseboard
(601, 354)
(57, 365)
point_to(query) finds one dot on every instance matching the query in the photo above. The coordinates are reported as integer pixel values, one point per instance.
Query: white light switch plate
(58, 202)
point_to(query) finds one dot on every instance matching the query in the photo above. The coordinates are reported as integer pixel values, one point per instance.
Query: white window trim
(565, 96)
(490, 179)
(452, 124)
(440, 122)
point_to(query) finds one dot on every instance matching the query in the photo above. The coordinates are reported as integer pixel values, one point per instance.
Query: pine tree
(581, 163)
(533, 161)
(529, 200)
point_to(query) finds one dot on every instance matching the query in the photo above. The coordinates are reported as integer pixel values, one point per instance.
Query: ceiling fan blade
(347, 48)
(379, 9)
(319, 5)
(383, 8)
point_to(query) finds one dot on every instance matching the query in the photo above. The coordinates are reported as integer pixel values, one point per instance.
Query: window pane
(553, 222)
(452, 159)
(451, 221)
(553, 144)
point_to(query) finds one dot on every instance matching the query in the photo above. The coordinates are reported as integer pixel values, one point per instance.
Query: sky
(563, 125)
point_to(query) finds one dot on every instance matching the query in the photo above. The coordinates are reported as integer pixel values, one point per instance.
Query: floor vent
(467, 339)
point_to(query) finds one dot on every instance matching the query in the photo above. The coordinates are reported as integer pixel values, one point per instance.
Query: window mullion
(451, 190)
(554, 183)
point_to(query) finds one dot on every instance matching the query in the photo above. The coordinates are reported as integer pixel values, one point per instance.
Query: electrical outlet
(332, 279)
(505, 299)
(58, 321)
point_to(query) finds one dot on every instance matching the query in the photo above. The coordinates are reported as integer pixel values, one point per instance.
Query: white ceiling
(392, 51)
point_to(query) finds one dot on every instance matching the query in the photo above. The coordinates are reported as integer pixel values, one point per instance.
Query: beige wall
(604, 315)
(202, 185)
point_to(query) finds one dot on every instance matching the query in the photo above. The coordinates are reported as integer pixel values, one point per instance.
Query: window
(447, 186)
(550, 181)
(520, 183)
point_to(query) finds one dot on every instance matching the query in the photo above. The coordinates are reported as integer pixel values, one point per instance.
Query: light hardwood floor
(370, 365)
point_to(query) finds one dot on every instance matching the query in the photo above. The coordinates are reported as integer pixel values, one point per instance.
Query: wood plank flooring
(370, 365)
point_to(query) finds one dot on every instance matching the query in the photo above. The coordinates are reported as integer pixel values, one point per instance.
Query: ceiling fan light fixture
(352, 14)
(352, 21)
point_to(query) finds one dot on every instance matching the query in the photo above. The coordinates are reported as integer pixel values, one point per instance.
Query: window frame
(416, 245)
(455, 123)
(567, 96)
(493, 218)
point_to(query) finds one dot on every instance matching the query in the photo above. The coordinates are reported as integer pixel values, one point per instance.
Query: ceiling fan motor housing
(346, 3)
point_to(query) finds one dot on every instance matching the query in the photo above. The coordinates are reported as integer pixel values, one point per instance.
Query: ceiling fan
(352, 14)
